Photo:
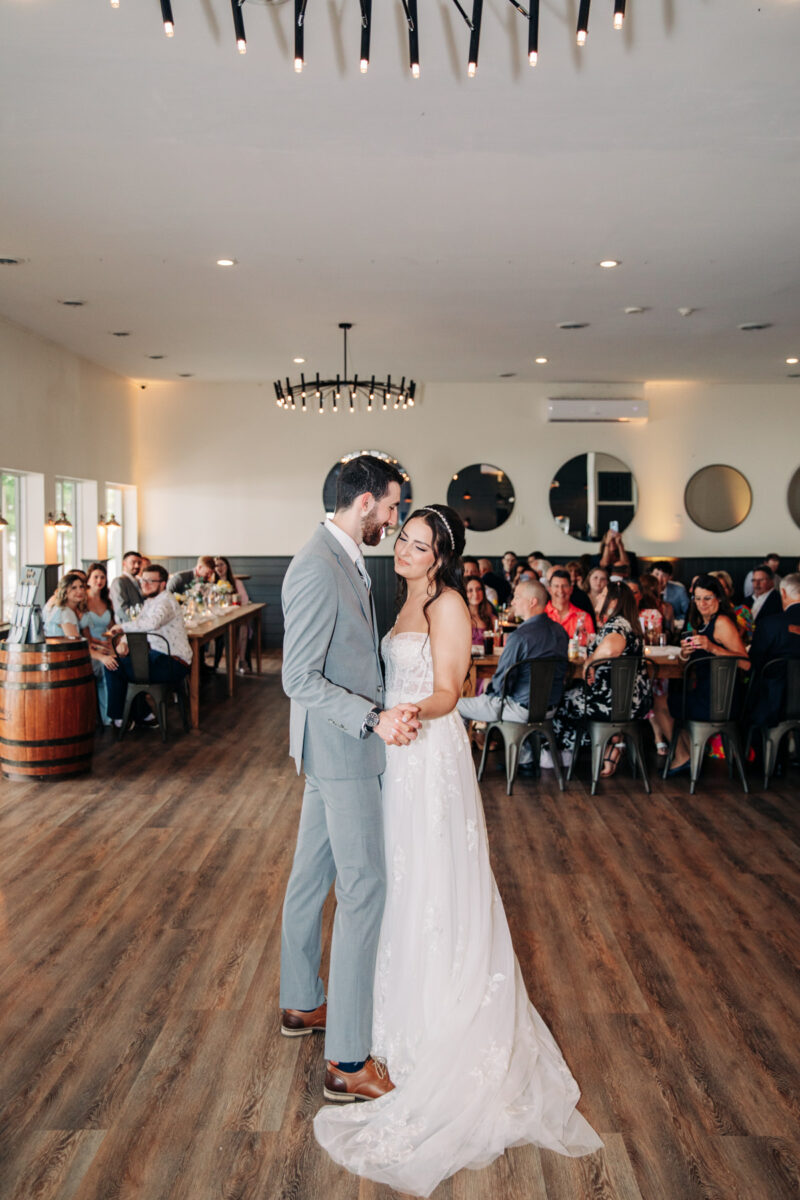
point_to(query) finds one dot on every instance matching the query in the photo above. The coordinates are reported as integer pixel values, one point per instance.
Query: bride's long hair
(447, 571)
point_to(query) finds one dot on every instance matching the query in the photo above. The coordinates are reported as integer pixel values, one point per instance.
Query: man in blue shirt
(674, 593)
(536, 637)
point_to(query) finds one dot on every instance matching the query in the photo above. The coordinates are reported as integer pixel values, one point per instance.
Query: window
(10, 549)
(114, 535)
(66, 539)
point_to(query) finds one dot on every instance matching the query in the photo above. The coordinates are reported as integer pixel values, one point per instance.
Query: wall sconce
(3, 522)
(109, 521)
(60, 522)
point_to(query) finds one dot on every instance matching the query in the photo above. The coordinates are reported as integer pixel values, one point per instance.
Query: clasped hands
(399, 726)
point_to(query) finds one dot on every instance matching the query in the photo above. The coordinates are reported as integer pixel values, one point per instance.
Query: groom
(332, 674)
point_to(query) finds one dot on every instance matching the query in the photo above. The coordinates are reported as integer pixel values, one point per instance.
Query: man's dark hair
(772, 554)
(365, 474)
(157, 569)
(536, 554)
(768, 571)
(665, 566)
(560, 573)
(464, 561)
(128, 554)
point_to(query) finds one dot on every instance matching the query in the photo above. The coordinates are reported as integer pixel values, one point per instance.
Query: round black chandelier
(370, 393)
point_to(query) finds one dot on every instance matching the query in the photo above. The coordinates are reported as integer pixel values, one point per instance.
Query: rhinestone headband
(436, 513)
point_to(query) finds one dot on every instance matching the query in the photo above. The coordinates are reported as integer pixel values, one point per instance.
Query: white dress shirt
(352, 548)
(162, 614)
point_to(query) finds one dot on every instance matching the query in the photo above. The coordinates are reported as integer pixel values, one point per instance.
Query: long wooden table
(667, 665)
(227, 623)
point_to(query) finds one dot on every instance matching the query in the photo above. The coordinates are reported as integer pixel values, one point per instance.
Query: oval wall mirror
(482, 495)
(590, 492)
(717, 498)
(793, 497)
(332, 478)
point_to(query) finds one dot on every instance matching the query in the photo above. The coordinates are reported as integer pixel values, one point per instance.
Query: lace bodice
(409, 667)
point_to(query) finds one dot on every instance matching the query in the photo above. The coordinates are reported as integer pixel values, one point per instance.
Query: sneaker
(369, 1083)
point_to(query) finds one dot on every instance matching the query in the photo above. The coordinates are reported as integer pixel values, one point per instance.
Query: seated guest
(595, 586)
(773, 561)
(578, 596)
(711, 616)
(776, 636)
(654, 613)
(493, 582)
(161, 614)
(672, 592)
(541, 567)
(125, 592)
(744, 617)
(560, 607)
(95, 622)
(619, 633)
(764, 601)
(201, 572)
(536, 637)
(63, 620)
(224, 572)
(481, 613)
(509, 561)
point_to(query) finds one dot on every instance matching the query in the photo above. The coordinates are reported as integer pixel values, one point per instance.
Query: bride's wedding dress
(475, 1067)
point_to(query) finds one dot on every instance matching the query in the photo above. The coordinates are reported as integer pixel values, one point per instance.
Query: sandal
(611, 759)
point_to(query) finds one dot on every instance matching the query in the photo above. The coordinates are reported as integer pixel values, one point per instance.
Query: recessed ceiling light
(609, 262)
(72, 303)
(298, 360)
(541, 360)
(186, 374)
(120, 333)
(633, 310)
(226, 262)
(790, 362)
(508, 375)
(751, 326)
(155, 356)
(573, 324)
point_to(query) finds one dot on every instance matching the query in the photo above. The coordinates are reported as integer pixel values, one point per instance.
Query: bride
(475, 1068)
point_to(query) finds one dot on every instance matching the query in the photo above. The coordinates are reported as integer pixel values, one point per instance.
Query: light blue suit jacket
(331, 663)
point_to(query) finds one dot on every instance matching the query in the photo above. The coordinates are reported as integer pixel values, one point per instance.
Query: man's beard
(371, 530)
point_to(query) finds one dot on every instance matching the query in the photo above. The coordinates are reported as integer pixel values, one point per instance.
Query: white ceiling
(454, 221)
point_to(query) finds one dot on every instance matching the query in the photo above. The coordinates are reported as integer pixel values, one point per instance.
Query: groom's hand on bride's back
(399, 726)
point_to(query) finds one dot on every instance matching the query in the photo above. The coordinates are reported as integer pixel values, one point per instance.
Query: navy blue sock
(350, 1068)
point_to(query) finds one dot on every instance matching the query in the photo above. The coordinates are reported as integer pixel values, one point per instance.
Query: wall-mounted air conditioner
(573, 408)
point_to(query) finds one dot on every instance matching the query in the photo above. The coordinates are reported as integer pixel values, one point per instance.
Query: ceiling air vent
(577, 409)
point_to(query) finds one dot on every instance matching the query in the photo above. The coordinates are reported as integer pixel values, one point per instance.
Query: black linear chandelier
(473, 22)
(378, 393)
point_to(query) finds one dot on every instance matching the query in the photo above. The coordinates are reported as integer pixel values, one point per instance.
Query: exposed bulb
(471, 69)
(415, 70)
(241, 45)
(618, 19)
(533, 58)
(581, 37)
(364, 66)
(169, 29)
(115, 3)
(298, 65)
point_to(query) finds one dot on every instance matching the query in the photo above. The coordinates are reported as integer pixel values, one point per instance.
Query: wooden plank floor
(139, 943)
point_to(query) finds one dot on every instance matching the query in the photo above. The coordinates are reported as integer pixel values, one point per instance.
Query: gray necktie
(362, 570)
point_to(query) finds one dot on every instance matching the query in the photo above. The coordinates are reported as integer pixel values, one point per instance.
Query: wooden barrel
(48, 709)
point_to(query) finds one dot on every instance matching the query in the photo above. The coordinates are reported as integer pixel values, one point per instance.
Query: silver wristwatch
(371, 720)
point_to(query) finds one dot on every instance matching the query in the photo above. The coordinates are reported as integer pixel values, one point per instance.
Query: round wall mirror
(717, 498)
(793, 497)
(332, 478)
(589, 493)
(482, 495)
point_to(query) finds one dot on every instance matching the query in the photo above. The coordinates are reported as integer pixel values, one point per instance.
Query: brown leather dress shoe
(295, 1023)
(369, 1083)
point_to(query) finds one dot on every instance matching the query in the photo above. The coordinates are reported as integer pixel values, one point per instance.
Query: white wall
(61, 416)
(222, 469)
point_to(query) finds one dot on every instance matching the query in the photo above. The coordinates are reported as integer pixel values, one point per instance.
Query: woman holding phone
(715, 632)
